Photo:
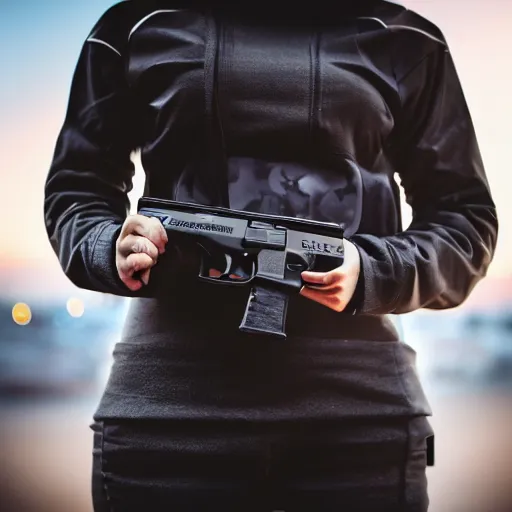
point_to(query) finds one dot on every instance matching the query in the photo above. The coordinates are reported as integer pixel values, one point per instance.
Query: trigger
(237, 272)
(243, 269)
(229, 265)
(233, 270)
(213, 266)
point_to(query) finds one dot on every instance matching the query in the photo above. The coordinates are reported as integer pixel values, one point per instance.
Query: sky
(39, 46)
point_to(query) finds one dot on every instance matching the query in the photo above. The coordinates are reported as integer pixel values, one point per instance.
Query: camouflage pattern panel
(285, 188)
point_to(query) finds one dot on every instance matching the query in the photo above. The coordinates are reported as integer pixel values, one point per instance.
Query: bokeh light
(75, 307)
(21, 313)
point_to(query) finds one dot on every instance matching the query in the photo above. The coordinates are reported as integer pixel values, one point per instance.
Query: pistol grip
(265, 313)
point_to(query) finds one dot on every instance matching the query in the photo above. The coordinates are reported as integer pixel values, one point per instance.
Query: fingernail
(145, 279)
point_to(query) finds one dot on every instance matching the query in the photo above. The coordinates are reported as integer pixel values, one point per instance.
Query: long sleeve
(91, 173)
(449, 245)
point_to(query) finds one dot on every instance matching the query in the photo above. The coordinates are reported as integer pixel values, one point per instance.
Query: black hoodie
(319, 110)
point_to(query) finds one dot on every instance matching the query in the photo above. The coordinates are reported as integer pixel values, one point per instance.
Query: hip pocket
(119, 482)
(420, 443)
(100, 498)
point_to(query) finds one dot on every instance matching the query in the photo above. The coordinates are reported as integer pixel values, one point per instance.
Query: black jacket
(317, 114)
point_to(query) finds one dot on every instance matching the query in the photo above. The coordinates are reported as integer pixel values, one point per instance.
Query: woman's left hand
(335, 288)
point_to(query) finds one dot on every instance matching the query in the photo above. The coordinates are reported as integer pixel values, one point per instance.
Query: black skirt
(171, 465)
(196, 416)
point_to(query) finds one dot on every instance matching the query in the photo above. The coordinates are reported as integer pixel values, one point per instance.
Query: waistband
(210, 308)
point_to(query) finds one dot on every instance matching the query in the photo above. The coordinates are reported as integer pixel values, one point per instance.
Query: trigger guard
(230, 267)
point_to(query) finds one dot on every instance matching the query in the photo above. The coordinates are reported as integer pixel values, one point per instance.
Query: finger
(137, 244)
(148, 227)
(131, 223)
(135, 262)
(157, 234)
(335, 287)
(133, 284)
(144, 277)
(321, 278)
(331, 301)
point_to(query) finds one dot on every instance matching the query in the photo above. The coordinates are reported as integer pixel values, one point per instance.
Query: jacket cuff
(355, 304)
(102, 264)
(375, 273)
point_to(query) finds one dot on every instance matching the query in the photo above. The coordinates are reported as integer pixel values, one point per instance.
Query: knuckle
(338, 274)
(144, 261)
(336, 303)
(123, 267)
(138, 245)
(152, 233)
(150, 250)
(331, 279)
(338, 289)
(123, 240)
(131, 259)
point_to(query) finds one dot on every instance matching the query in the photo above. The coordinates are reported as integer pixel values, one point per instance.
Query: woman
(310, 113)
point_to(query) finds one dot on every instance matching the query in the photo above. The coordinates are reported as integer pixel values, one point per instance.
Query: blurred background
(56, 341)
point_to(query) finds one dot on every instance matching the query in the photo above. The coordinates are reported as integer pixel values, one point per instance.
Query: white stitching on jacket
(404, 27)
(100, 41)
(143, 20)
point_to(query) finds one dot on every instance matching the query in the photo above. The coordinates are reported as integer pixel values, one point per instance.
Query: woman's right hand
(141, 241)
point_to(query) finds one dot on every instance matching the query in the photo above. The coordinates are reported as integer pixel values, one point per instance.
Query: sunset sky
(39, 45)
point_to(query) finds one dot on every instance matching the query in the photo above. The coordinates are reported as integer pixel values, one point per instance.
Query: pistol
(265, 253)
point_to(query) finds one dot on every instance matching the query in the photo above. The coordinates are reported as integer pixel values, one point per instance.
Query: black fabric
(318, 112)
(196, 364)
(194, 466)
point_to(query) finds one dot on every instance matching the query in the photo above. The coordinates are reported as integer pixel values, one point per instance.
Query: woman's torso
(308, 104)
(308, 110)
